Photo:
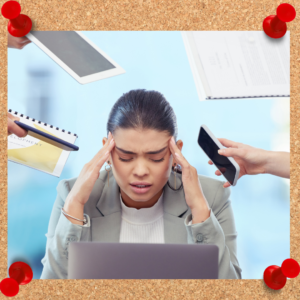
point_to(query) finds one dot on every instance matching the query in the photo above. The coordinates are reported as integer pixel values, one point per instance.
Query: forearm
(201, 211)
(278, 164)
(74, 208)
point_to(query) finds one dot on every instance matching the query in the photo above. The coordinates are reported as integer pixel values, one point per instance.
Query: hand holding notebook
(13, 128)
(48, 138)
(45, 148)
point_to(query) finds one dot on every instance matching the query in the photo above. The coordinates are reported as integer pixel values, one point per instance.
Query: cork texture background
(155, 15)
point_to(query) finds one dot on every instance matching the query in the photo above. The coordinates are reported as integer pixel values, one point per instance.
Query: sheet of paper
(244, 63)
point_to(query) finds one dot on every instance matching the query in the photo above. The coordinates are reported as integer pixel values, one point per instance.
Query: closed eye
(121, 159)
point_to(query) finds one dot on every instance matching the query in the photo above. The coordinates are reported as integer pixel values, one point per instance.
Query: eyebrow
(150, 152)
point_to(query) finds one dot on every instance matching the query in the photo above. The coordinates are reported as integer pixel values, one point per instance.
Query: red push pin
(9, 287)
(275, 277)
(275, 26)
(19, 24)
(20, 273)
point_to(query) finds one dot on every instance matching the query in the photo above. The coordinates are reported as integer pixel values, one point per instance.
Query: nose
(140, 169)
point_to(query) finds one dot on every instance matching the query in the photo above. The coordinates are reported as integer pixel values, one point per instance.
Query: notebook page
(244, 63)
(37, 154)
(195, 64)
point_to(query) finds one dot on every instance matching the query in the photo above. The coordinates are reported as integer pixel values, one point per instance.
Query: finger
(12, 117)
(218, 173)
(108, 146)
(101, 161)
(229, 152)
(228, 143)
(226, 185)
(24, 44)
(110, 143)
(13, 128)
(179, 158)
(23, 40)
(210, 162)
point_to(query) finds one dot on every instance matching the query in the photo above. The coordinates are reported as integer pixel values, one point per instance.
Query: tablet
(76, 54)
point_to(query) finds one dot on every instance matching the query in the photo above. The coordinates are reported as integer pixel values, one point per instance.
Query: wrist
(73, 204)
(75, 200)
(200, 213)
(268, 162)
(278, 164)
(75, 209)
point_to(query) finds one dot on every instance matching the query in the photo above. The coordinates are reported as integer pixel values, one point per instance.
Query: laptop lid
(95, 260)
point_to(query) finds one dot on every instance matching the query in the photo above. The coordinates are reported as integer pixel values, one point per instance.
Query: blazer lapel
(106, 228)
(174, 208)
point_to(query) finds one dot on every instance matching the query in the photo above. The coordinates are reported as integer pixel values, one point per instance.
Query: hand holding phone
(253, 161)
(227, 166)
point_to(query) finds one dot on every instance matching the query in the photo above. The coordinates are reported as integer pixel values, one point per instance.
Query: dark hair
(141, 109)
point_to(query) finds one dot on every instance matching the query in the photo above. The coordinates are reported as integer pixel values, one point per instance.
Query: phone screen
(211, 149)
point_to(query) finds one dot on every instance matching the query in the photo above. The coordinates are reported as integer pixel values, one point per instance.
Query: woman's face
(132, 163)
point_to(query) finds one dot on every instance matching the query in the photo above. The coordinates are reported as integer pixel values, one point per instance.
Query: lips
(140, 183)
(140, 190)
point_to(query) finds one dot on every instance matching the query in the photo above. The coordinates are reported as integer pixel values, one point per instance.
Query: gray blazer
(104, 211)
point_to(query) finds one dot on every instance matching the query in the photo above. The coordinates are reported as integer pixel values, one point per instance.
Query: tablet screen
(74, 51)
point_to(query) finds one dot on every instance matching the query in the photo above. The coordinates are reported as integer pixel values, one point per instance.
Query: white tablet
(76, 54)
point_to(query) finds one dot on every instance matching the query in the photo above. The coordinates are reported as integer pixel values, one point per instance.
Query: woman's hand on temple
(253, 161)
(85, 182)
(194, 196)
(90, 173)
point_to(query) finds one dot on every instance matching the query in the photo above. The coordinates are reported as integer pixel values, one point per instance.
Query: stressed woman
(148, 192)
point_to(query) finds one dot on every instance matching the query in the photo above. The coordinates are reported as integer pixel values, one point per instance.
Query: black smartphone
(210, 145)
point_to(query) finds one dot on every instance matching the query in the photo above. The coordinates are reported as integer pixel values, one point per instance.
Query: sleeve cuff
(208, 232)
(189, 219)
(88, 223)
(67, 232)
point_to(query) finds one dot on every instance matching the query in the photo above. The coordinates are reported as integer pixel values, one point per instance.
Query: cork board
(155, 15)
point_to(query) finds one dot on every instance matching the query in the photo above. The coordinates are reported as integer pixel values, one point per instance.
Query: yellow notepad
(37, 154)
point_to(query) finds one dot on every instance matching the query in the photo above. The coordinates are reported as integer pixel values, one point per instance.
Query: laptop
(95, 260)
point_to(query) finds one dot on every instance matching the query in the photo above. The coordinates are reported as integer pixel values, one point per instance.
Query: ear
(104, 140)
(179, 144)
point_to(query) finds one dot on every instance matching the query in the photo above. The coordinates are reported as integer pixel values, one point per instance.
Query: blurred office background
(38, 87)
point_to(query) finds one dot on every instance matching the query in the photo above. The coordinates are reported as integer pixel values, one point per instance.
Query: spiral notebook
(38, 154)
(238, 64)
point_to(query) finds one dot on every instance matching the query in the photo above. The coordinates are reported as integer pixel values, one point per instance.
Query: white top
(145, 225)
